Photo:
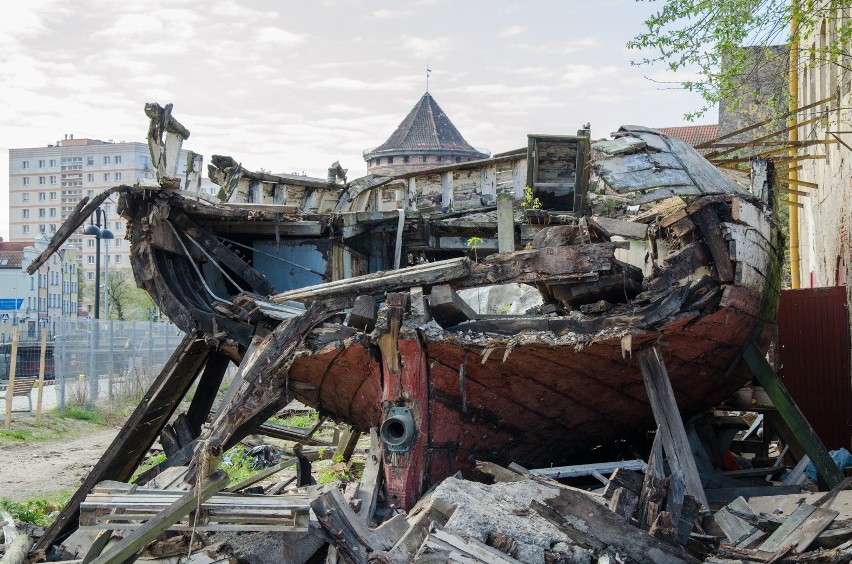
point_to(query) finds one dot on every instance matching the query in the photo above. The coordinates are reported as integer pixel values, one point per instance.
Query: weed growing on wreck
(334, 472)
(237, 464)
(530, 201)
(38, 511)
(474, 243)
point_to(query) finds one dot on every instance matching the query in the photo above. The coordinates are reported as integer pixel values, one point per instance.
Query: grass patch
(36, 510)
(237, 464)
(17, 435)
(306, 420)
(336, 471)
(147, 465)
(84, 415)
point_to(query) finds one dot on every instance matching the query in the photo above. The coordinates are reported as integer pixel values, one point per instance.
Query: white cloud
(386, 14)
(278, 37)
(513, 30)
(427, 47)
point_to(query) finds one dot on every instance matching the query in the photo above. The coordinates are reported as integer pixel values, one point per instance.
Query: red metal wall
(813, 331)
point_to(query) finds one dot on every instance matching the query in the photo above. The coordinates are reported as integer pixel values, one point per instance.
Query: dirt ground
(58, 456)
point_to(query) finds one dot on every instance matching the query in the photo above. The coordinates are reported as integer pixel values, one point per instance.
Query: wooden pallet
(114, 508)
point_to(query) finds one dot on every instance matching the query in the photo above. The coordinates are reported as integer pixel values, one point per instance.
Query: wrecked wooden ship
(345, 295)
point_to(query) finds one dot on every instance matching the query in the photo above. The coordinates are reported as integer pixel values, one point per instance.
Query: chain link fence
(91, 361)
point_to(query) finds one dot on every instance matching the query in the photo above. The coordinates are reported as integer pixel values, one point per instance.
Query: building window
(25, 197)
(53, 228)
(117, 259)
(52, 162)
(90, 275)
(90, 178)
(390, 160)
(42, 212)
(424, 158)
(90, 243)
(117, 175)
(458, 159)
(26, 213)
(42, 196)
(117, 225)
(53, 180)
(106, 176)
(440, 159)
(405, 158)
(25, 165)
(53, 214)
(117, 159)
(26, 181)
(53, 195)
(117, 243)
(90, 260)
(26, 228)
(42, 180)
(106, 159)
(42, 228)
(90, 161)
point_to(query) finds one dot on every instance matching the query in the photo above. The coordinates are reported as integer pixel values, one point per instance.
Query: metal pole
(92, 378)
(150, 342)
(64, 337)
(111, 356)
(106, 275)
(97, 277)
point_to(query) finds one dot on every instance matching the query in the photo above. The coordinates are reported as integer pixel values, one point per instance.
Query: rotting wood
(618, 227)
(128, 448)
(447, 308)
(708, 222)
(363, 313)
(623, 503)
(799, 529)
(346, 446)
(670, 424)
(370, 478)
(610, 530)
(133, 542)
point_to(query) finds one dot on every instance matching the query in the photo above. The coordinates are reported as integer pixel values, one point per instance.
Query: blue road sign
(11, 303)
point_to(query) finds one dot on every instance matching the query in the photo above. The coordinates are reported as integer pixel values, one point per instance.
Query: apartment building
(46, 183)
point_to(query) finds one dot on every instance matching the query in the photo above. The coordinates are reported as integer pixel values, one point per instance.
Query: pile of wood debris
(641, 514)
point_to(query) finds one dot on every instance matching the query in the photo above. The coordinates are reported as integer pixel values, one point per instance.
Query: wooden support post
(347, 443)
(42, 361)
(447, 191)
(132, 543)
(505, 222)
(205, 394)
(792, 416)
(363, 314)
(13, 363)
(400, 227)
(667, 416)
(134, 439)
(369, 490)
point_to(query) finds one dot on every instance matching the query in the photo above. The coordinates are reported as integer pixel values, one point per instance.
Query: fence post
(13, 362)
(111, 356)
(61, 374)
(150, 342)
(92, 378)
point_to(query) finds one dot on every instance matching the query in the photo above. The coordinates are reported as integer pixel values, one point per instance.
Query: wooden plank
(799, 529)
(368, 493)
(143, 426)
(792, 416)
(618, 227)
(670, 424)
(133, 542)
(586, 469)
(735, 527)
(13, 366)
(41, 365)
(610, 530)
(363, 314)
(505, 222)
(723, 496)
(347, 443)
(708, 223)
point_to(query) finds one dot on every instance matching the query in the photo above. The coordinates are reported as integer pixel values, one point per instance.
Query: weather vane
(428, 72)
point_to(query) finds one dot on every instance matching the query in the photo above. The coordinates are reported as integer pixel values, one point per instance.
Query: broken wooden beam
(363, 314)
(792, 415)
(670, 425)
(711, 230)
(447, 308)
(579, 511)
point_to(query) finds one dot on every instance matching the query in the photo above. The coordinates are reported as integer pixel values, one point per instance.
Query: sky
(294, 86)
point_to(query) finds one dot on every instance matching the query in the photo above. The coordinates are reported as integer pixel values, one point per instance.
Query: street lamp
(94, 228)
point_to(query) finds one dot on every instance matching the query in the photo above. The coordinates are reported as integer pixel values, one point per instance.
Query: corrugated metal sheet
(813, 331)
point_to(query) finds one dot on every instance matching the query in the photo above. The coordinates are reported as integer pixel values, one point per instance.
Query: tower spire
(428, 72)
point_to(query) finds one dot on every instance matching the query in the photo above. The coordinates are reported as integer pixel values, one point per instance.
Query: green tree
(126, 300)
(709, 40)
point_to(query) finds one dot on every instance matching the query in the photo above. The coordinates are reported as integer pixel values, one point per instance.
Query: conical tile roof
(425, 127)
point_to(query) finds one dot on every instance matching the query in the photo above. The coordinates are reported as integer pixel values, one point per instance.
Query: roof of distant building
(425, 127)
(692, 134)
(12, 253)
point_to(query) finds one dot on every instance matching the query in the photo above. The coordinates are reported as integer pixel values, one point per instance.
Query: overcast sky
(294, 86)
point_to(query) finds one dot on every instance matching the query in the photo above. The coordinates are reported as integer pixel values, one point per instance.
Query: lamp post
(94, 228)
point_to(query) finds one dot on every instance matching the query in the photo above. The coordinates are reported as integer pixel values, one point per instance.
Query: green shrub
(17, 434)
(36, 510)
